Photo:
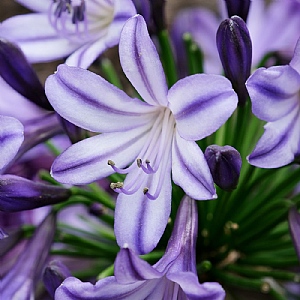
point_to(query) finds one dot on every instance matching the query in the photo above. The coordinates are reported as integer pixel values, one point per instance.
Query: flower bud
(225, 165)
(17, 194)
(294, 225)
(235, 51)
(96, 209)
(54, 274)
(19, 74)
(238, 8)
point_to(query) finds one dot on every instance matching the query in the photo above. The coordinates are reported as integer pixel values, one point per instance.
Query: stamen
(119, 170)
(116, 185)
(145, 190)
(139, 162)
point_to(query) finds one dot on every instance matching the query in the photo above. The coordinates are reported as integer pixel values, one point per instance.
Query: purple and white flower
(78, 29)
(144, 139)
(275, 96)
(174, 276)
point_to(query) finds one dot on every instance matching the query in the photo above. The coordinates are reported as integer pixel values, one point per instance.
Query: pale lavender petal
(20, 281)
(201, 104)
(279, 144)
(274, 92)
(39, 43)
(39, 6)
(295, 62)
(188, 281)
(105, 289)
(294, 225)
(190, 170)
(141, 63)
(11, 138)
(180, 255)
(148, 218)
(90, 102)
(86, 161)
(130, 268)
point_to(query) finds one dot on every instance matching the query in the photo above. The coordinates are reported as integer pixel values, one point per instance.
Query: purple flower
(144, 139)
(275, 96)
(294, 225)
(174, 276)
(11, 138)
(20, 281)
(81, 29)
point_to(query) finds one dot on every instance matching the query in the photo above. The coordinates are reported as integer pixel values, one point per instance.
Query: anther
(139, 162)
(110, 163)
(116, 185)
(145, 190)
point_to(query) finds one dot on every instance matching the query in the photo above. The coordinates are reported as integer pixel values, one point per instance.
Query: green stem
(109, 271)
(110, 72)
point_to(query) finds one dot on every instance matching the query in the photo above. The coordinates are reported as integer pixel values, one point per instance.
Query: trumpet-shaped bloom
(174, 276)
(275, 96)
(79, 28)
(144, 139)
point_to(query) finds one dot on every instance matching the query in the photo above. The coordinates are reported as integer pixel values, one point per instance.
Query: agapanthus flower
(144, 139)
(275, 96)
(20, 281)
(174, 276)
(78, 29)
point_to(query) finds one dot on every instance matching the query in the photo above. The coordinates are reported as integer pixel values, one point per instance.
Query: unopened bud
(235, 51)
(225, 165)
(238, 8)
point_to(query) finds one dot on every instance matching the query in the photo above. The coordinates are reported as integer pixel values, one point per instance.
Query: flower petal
(141, 63)
(279, 144)
(188, 281)
(39, 43)
(130, 268)
(295, 62)
(294, 225)
(190, 170)
(39, 6)
(273, 92)
(105, 289)
(148, 218)
(201, 104)
(11, 138)
(86, 161)
(106, 111)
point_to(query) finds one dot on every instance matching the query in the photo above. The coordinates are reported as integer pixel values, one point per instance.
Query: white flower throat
(152, 160)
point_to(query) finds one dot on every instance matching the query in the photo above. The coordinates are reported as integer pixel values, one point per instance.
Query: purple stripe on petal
(141, 63)
(201, 104)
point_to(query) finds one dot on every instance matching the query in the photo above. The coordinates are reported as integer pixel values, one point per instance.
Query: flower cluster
(172, 175)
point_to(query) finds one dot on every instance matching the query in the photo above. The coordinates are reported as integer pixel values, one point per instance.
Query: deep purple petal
(238, 8)
(87, 160)
(279, 144)
(274, 92)
(201, 104)
(11, 138)
(294, 225)
(19, 283)
(190, 170)
(189, 283)
(105, 289)
(148, 218)
(130, 268)
(90, 102)
(17, 194)
(19, 74)
(141, 63)
(180, 254)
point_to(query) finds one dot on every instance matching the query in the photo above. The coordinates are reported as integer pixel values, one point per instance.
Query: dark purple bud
(235, 51)
(19, 74)
(3, 235)
(22, 278)
(294, 225)
(74, 132)
(8, 242)
(17, 194)
(54, 274)
(225, 165)
(96, 209)
(238, 8)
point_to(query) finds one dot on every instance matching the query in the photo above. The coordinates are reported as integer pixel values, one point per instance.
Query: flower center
(65, 15)
(152, 162)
